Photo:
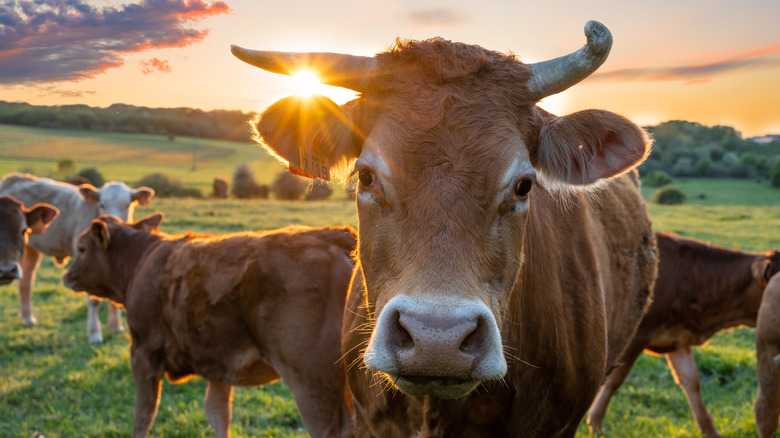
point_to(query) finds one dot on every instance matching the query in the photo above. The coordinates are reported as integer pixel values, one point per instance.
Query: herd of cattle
(503, 280)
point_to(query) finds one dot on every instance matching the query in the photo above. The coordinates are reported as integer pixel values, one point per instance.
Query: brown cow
(767, 407)
(239, 309)
(16, 222)
(501, 274)
(700, 290)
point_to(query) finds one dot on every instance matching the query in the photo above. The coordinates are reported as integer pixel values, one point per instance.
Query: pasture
(53, 382)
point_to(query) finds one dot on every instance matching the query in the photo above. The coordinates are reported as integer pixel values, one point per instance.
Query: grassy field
(53, 382)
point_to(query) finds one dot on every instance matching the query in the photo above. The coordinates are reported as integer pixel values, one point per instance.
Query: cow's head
(115, 198)
(764, 268)
(16, 222)
(448, 147)
(103, 251)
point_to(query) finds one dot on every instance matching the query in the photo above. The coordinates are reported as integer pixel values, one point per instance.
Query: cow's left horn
(347, 71)
(556, 75)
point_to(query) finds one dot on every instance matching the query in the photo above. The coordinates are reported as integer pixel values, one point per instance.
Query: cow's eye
(523, 187)
(366, 177)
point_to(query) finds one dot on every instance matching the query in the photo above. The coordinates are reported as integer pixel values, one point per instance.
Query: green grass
(53, 382)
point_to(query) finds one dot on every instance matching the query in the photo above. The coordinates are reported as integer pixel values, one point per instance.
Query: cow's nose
(426, 344)
(10, 270)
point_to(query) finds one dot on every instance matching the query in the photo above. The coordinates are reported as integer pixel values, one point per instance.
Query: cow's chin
(6, 280)
(443, 387)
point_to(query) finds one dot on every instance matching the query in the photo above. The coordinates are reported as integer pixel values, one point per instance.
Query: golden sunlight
(306, 82)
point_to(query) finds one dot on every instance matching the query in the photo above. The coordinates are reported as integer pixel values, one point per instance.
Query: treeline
(687, 149)
(218, 124)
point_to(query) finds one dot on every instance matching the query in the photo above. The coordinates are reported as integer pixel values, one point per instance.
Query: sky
(714, 62)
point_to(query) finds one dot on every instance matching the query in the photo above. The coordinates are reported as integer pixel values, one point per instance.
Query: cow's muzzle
(427, 346)
(9, 272)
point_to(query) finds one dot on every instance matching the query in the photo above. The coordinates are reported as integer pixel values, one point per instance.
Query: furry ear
(149, 223)
(761, 272)
(90, 193)
(39, 216)
(99, 232)
(313, 136)
(143, 195)
(589, 145)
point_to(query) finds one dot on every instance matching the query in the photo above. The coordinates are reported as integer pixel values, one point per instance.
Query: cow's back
(255, 290)
(75, 214)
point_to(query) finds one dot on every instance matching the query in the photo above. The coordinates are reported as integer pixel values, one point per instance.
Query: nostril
(474, 342)
(401, 337)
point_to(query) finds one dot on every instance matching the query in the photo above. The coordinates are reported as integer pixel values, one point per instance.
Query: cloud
(50, 90)
(697, 73)
(153, 65)
(70, 40)
(435, 17)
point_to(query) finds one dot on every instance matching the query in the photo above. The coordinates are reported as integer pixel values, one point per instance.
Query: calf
(240, 309)
(16, 222)
(700, 290)
(767, 407)
(78, 205)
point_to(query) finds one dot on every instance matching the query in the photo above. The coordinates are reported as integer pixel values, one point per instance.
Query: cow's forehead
(115, 191)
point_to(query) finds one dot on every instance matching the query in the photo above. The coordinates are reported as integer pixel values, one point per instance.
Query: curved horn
(347, 71)
(556, 75)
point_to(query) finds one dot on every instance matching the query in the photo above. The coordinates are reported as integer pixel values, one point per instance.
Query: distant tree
(730, 158)
(657, 178)
(774, 174)
(669, 195)
(683, 167)
(245, 186)
(318, 191)
(66, 167)
(703, 167)
(93, 176)
(288, 187)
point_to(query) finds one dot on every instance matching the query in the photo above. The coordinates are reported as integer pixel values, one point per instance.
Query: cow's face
(99, 258)
(16, 223)
(116, 199)
(448, 149)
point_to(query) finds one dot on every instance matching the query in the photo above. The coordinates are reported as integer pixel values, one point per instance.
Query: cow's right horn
(339, 70)
(553, 76)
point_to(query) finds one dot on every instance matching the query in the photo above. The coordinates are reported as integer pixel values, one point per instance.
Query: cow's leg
(94, 329)
(31, 259)
(767, 407)
(115, 318)
(611, 384)
(323, 400)
(218, 404)
(148, 383)
(686, 375)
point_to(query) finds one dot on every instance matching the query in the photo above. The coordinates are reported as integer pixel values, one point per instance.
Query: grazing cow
(239, 309)
(502, 270)
(78, 206)
(700, 290)
(16, 222)
(767, 407)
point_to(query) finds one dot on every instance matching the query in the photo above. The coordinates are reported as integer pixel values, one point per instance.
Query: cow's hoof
(29, 321)
(96, 338)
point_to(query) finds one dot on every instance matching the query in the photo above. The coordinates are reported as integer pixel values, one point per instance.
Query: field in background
(129, 157)
(53, 382)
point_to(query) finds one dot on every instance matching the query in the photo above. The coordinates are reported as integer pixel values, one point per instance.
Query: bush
(245, 186)
(774, 174)
(669, 195)
(93, 176)
(165, 187)
(318, 191)
(66, 167)
(657, 178)
(288, 187)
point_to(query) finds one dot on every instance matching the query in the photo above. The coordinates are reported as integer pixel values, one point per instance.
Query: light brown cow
(700, 290)
(767, 407)
(78, 206)
(16, 223)
(239, 309)
(500, 274)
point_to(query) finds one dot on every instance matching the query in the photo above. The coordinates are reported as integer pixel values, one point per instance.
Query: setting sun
(307, 82)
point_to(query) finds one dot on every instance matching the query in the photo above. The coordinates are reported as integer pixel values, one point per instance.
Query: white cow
(78, 206)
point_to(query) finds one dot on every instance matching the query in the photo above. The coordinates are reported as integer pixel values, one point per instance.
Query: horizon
(703, 62)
